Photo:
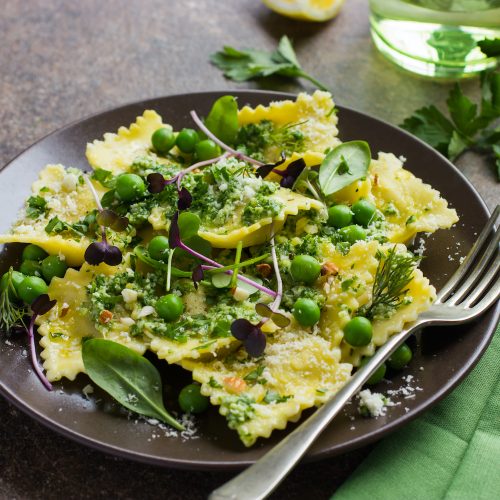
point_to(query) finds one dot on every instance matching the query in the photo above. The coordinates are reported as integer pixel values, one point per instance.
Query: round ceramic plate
(442, 356)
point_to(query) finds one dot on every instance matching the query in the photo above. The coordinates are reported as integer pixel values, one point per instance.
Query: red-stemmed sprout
(40, 306)
(223, 145)
(252, 336)
(101, 251)
(175, 241)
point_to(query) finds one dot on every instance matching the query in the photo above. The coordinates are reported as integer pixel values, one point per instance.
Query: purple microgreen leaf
(241, 328)
(280, 319)
(174, 234)
(95, 253)
(42, 304)
(107, 217)
(217, 141)
(156, 183)
(113, 256)
(291, 173)
(185, 199)
(263, 310)
(197, 275)
(34, 359)
(120, 224)
(255, 343)
(266, 169)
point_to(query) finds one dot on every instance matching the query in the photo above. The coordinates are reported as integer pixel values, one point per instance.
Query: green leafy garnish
(214, 384)
(490, 46)
(394, 272)
(104, 177)
(222, 120)
(242, 65)
(57, 226)
(36, 206)
(275, 397)
(11, 313)
(471, 126)
(255, 376)
(343, 165)
(128, 377)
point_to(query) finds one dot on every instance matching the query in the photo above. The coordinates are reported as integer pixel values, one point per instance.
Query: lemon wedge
(306, 10)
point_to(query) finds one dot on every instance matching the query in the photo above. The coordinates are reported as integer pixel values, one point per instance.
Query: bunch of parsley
(471, 126)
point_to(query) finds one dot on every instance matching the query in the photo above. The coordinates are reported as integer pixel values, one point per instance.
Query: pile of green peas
(36, 270)
(188, 142)
(352, 221)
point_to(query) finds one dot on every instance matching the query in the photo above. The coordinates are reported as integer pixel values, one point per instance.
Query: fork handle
(261, 478)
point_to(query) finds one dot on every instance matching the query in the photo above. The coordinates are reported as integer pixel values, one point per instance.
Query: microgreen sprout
(197, 275)
(175, 241)
(101, 251)
(39, 306)
(252, 337)
(223, 145)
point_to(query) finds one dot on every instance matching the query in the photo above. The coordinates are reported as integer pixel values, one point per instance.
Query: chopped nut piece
(64, 310)
(105, 316)
(264, 270)
(329, 269)
(235, 384)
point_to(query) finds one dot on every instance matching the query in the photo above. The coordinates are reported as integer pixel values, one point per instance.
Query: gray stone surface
(62, 60)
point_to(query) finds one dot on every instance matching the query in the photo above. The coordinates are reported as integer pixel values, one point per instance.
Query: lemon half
(307, 10)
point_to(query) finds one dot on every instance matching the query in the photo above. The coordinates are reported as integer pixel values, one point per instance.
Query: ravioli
(351, 288)
(297, 371)
(314, 115)
(67, 197)
(67, 323)
(118, 151)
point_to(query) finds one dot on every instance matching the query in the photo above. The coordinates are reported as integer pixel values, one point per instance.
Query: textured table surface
(61, 61)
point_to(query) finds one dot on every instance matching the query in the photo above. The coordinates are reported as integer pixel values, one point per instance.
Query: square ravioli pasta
(232, 261)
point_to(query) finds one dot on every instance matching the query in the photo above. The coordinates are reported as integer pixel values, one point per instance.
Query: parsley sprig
(472, 126)
(242, 65)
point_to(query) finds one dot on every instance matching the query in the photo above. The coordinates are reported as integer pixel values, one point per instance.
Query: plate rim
(189, 464)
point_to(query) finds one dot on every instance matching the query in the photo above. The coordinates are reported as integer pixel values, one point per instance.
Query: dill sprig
(11, 314)
(394, 272)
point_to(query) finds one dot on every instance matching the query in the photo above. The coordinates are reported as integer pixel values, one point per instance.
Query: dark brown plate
(442, 356)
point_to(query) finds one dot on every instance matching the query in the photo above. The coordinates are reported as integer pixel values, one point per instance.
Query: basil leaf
(344, 165)
(104, 177)
(223, 119)
(128, 377)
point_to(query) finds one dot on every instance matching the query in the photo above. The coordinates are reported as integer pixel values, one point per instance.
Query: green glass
(436, 38)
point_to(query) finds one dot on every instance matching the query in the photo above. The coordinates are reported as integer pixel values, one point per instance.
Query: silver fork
(469, 293)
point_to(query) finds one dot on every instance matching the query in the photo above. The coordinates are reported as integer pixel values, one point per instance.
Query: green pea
(187, 140)
(158, 248)
(129, 187)
(400, 357)
(358, 331)
(352, 233)
(163, 140)
(306, 312)
(169, 307)
(31, 268)
(31, 287)
(364, 211)
(16, 279)
(206, 150)
(305, 268)
(191, 399)
(53, 266)
(33, 252)
(339, 216)
(379, 372)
